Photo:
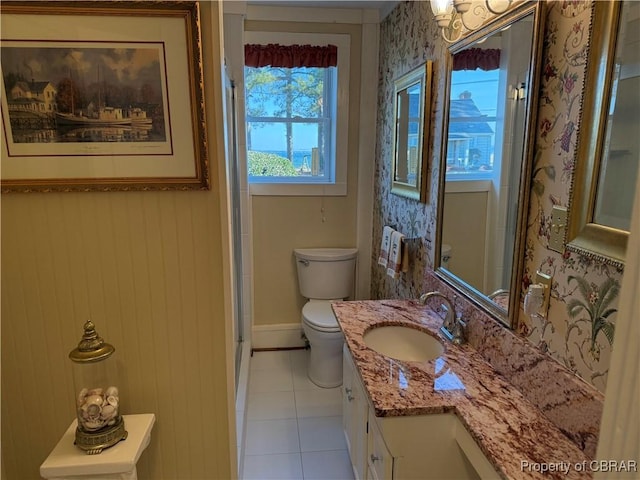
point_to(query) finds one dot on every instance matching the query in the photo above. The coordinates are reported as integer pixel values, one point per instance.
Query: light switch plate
(558, 228)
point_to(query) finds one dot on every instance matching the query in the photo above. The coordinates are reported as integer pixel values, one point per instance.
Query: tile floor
(294, 428)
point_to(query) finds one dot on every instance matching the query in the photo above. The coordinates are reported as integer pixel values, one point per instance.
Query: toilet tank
(326, 273)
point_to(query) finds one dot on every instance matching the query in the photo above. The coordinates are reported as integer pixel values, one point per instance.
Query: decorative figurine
(100, 424)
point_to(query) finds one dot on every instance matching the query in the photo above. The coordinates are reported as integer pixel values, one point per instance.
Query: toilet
(324, 275)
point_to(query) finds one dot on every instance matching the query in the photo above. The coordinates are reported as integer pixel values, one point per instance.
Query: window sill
(465, 186)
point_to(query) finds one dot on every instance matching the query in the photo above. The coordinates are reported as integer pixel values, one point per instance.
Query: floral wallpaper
(408, 38)
(579, 329)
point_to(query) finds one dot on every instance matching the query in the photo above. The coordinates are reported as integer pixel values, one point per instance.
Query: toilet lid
(319, 315)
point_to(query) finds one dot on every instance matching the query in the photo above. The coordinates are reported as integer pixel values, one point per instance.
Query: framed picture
(100, 96)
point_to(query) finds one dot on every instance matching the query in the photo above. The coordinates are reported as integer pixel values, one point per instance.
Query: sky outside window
(471, 142)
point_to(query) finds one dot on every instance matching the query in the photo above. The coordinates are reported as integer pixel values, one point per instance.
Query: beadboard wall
(148, 268)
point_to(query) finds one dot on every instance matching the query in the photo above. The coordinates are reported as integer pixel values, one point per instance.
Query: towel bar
(405, 239)
(411, 240)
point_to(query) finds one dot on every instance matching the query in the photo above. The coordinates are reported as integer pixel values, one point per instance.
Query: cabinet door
(355, 409)
(348, 417)
(379, 459)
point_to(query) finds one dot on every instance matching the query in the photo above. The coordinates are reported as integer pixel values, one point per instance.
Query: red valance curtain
(290, 56)
(474, 58)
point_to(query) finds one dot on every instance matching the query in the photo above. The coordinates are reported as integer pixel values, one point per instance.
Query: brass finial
(92, 347)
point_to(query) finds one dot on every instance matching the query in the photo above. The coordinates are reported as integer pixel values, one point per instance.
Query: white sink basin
(403, 343)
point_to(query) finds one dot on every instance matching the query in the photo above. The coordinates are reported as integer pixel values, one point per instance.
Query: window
(472, 124)
(473, 115)
(290, 124)
(296, 137)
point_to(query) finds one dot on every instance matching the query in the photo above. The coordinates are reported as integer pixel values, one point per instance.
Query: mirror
(412, 93)
(487, 154)
(608, 148)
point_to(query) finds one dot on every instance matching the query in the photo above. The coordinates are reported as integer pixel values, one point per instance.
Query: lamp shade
(462, 6)
(441, 7)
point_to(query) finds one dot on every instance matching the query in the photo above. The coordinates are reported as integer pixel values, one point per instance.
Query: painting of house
(38, 97)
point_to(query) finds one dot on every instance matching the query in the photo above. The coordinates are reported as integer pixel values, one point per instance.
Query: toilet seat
(319, 316)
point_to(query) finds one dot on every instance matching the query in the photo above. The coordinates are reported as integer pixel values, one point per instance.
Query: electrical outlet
(558, 228)
(544, 279)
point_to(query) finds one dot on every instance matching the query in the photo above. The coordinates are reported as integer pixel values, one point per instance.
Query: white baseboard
(241, 405)
(283, 335)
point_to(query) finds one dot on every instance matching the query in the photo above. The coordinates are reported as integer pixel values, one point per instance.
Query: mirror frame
(421, 75)
(507, 317)
(583, 236)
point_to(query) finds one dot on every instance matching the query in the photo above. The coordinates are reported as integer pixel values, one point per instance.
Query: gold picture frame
(412, 116)
(584, 234)
(102, 96)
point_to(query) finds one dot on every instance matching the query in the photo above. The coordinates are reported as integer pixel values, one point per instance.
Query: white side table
(118, 462)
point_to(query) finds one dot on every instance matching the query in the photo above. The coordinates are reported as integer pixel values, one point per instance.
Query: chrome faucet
(453, 326)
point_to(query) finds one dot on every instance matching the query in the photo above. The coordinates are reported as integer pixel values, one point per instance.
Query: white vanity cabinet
(418, 447)
(379, 459)
(355, 408)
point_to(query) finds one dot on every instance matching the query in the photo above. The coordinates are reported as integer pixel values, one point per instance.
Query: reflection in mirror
(412, 93)
(621, 148)
(488, 132)
(609, 145)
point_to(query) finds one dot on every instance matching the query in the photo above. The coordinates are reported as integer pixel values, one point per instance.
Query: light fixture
(518, 91)
(455, 16)
(442, 11)
(462, 6)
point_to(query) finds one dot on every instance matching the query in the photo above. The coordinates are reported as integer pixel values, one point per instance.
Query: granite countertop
(506, 426)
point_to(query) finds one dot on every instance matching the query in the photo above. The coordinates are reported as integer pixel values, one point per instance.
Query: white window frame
(328, 147)
(340, 140)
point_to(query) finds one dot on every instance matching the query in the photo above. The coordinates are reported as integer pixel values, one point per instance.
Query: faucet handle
(456, 304)
(450, 314)
(459, 329)
(459, 335)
